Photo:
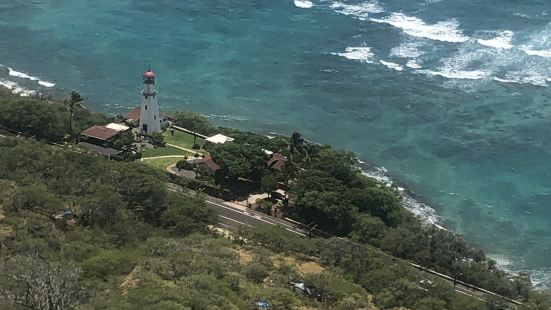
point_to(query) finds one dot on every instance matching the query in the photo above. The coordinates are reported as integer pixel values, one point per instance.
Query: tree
(184, 164)
(73, 102)
(185, 215)
(194, 122)
(239, 161)
(124, 141)
(297, 149)
(38, 284)
(34, 118)
(368, 229)
(157, 139)
(268, 183)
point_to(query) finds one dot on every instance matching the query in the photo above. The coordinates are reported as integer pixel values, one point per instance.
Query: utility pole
(455, 279)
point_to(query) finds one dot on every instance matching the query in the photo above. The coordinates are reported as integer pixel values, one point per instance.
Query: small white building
(150, 120)
(117, 127)
(219, 139)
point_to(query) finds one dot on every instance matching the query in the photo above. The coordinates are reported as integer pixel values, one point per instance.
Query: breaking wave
(539, 53)
(362, 54)
(457, 74)
(26, 76)
(360, 11)
(445, 31)
(502, 41)
(16, 88)
(303, 4)
(392, 65)
(423, 211)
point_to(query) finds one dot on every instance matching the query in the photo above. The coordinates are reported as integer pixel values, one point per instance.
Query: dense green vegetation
(52, 121)
(194, 122)
(328, 190)
(128, 243)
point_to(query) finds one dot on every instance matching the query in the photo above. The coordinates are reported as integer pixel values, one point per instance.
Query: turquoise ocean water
(453, 98)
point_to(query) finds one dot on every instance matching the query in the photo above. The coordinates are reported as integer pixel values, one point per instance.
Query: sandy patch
(131, 280)
(302, 267)
(245, 257)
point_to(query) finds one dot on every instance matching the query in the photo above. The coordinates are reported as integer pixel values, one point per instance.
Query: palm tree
(297, 153)
(296, 147)
(72, 104)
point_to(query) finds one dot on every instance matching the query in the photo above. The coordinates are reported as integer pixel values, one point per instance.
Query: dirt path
(182, 148)
(165, 156)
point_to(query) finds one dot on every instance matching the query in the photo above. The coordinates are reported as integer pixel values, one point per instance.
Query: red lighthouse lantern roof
(149, 74)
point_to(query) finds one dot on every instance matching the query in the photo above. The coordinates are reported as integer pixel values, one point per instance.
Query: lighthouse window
(155, 117)
(146, 107)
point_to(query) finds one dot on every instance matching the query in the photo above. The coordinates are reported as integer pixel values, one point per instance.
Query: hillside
(78, 230)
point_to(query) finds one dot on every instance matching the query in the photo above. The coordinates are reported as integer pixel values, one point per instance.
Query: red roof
(211, 164)
(277, 162)
(149, 74)
(100, 132)
(134, 114)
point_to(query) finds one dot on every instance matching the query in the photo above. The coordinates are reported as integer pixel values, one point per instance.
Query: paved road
(234, 217)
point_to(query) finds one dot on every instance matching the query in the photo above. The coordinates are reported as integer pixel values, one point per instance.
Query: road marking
(252, 216)
(296, 232)
(240, 212)
(228, 226)
(472, 296)
(227, 218)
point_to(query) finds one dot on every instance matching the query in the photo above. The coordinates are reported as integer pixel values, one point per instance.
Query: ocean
(449, 99)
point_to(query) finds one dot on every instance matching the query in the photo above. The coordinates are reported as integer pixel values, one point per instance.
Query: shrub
(184, 164)
(256, 272)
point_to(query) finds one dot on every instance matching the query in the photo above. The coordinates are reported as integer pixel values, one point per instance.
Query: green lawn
(164, 151)
(161, 163)
(181, 138)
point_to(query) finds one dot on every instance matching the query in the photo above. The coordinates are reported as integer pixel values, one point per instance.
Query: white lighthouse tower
(150, 121)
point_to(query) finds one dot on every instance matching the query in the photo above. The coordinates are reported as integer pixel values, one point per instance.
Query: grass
(182, 139)
(165, 151)
(161, 163)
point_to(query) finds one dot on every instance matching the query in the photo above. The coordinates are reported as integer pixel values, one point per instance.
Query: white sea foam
(362, 54)
(541, 277)
(16, 88)
(540, 53)
(446, 31)
(46, 84)
(303, 4)
(23, 75)
(502, 41)
(495, 78)
(392, 65)
(413, 64)
(407, 50)
(458, 74)
(360, 11)
(422, 211)
(519, 78)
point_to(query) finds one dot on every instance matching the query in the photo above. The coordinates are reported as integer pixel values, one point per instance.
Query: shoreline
(412, 202)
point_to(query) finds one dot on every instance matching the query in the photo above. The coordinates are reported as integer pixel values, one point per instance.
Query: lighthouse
(150, 121)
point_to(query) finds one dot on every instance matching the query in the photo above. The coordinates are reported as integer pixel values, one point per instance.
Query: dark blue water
(452, 97)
